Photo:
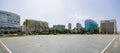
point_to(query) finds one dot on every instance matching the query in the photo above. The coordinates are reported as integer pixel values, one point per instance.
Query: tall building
(90, 24)
(69, 26)
(9, 21)
(34, 25)
(108, 26)
(78, 26)
(59, 27)
(91, 27)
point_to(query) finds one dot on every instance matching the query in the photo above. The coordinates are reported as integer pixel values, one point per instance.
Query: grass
(14, 36)
(10, 36)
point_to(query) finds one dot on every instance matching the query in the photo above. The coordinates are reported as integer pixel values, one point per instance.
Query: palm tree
(38, 27)
(35, 27)
(82, 30)
(26, 23)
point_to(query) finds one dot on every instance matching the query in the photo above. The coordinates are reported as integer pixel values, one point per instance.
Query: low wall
(4, 48)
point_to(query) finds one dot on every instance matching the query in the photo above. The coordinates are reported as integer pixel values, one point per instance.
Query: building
(9, 21)
(90, 24)
(78, 26)
(59, 27)
(34, 26)
(91, 27)
(108, 26)
(69, 26)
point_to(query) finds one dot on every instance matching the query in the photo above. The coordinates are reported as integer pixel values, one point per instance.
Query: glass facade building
(9, 21)
(59, 27)
(90, 24)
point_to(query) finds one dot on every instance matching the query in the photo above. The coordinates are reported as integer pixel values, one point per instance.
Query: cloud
(84, 16)
(80, 15)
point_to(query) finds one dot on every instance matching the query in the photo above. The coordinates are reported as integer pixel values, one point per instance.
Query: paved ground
(1, 50)
(116, 47)
(58, 43)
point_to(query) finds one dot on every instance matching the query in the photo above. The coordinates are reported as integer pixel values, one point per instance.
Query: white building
(9, 21)
(108, 26)
(34, 25)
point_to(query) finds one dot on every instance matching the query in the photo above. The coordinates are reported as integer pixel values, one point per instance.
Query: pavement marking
(109, 46)
(4, 48)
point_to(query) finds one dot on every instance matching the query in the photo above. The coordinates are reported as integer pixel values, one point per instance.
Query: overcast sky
(64, 11)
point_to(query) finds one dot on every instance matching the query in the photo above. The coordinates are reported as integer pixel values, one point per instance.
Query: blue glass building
(59, 27)
(9, 21)
(90, 24)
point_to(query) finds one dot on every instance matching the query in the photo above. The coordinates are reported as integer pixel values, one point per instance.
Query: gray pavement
(58, 43)
(1, 50)
(115, 48)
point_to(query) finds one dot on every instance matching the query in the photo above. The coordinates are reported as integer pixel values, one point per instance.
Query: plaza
(62, 44)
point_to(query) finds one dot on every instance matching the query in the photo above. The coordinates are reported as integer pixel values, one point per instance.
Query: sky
(64, 11)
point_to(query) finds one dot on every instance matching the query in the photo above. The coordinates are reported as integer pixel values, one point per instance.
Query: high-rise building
(69, 26)
(9, 21)
(90, 24)
(59, 27)
(78, 26)
(108, 26)
(34, 25)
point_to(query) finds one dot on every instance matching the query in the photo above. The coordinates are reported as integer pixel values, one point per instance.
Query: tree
(37, 27)
(96, 30)
(26, 23)
(6, 32)
(11, 32)
(82, 31)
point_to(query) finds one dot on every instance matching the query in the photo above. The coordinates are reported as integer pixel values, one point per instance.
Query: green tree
(82, 31)
(11, 32)
(26, 23)
(96, 30)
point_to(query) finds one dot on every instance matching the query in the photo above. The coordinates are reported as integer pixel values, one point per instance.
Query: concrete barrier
(4, 48)
(109, 47)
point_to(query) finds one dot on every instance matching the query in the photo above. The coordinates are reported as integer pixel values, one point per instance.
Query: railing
(109, 47)
(4, 48)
